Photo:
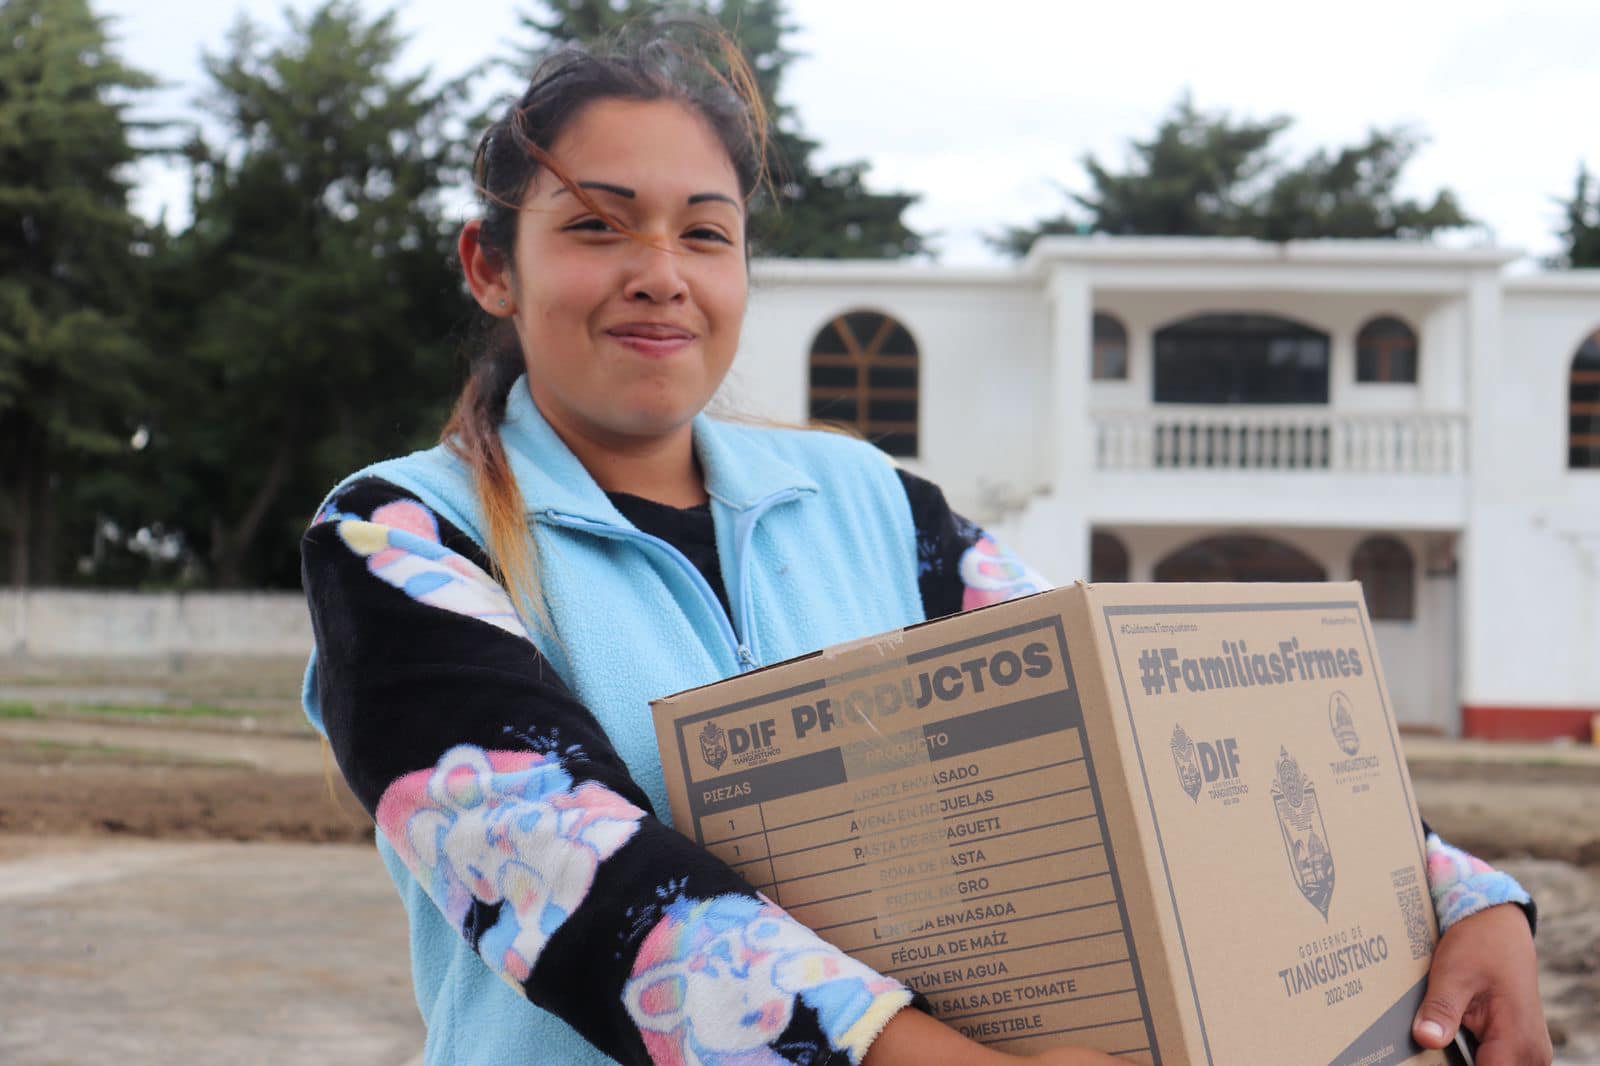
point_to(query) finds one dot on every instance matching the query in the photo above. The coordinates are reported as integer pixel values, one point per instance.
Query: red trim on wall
(1528, 723)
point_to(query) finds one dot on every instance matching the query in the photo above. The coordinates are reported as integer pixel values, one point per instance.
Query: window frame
(1232, 340)
(1103, 544)
(1099, 347)
(866, 359)
(1583, 405)
(1384, 351)
(1386, 601)
(1237, 547)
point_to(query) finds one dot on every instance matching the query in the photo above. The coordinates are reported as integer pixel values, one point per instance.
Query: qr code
(1408, 893)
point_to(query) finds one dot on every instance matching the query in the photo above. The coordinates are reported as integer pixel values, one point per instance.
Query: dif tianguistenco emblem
(714, 745)
(1187, 762)
(1305, 837)
(1341, 719)
(1209, 765)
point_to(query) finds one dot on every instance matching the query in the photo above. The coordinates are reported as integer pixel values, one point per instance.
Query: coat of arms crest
(1343, 724)
(714, 745)
(1305, 837)
(1187, 762)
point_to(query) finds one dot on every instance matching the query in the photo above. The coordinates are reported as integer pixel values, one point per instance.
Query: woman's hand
(1485, 976)
(913, 1038)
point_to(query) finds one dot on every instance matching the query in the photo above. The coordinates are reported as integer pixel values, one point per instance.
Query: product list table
(980, 876)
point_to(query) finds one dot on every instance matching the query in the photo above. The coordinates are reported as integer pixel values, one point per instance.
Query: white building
(1171, 408)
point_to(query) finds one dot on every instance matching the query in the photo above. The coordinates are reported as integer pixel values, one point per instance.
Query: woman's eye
(702, 233)
(589, 225)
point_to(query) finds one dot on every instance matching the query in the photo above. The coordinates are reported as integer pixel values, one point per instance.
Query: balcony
(1172, 437)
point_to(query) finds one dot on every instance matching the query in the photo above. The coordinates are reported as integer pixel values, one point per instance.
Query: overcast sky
(983, 109)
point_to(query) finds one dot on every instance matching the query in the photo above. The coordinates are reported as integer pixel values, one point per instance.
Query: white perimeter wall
(53, 623)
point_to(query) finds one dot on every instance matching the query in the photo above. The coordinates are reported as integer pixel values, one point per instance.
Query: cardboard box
(1168, 821)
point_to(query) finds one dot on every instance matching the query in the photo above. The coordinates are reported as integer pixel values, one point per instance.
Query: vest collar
(739, 473)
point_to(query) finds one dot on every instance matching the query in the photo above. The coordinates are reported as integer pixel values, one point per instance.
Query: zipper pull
(747, 661)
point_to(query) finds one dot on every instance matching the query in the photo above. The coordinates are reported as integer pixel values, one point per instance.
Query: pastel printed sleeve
(959, 566)
(505, 799)
(1462, 885)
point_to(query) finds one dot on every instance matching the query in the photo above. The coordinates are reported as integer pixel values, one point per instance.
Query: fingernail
(1431, 1030)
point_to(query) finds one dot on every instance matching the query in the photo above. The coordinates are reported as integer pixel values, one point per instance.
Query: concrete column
(1438, 618)
(1069, 431)
(1487, 484)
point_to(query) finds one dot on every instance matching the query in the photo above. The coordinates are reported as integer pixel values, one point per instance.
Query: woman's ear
(488, 275)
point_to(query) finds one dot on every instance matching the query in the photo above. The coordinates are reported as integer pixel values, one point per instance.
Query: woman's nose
(656, 276)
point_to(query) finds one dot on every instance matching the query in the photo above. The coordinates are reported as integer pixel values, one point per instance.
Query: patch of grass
(56, 752)
(14, 709)
(161, 710)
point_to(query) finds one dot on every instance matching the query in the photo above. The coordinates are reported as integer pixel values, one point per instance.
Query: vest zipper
(744, 531)
(741, 652)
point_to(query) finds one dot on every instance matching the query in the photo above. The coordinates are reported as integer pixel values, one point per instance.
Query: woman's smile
(657, 340)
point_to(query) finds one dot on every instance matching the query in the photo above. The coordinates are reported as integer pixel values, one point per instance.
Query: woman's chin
(652, 421)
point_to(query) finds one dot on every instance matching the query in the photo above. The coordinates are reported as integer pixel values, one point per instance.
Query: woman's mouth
(656, 339)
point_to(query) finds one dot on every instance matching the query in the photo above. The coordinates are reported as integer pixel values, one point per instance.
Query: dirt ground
(211, 770)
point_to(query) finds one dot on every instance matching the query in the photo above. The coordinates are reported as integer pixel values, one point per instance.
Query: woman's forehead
(653, 148)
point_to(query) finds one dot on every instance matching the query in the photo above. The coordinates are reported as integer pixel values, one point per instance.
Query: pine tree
(1353, 193)
(321, 296)
(1581, 235)
(1211, 175)
(821, 212)
(71, 361)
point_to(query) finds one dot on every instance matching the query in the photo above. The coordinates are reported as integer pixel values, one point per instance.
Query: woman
(493, 615)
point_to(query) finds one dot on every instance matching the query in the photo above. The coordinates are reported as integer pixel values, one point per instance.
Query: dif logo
(1203, 763)
(743, 743)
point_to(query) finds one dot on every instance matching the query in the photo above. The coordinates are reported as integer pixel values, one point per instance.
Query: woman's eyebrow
(599, 186)
(630, 194)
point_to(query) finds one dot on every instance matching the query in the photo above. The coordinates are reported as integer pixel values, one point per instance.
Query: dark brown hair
(691, 62)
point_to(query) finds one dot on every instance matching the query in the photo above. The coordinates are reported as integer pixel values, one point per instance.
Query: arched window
(1386, 352)
(1240, 358)
(1108, 558)
(1388, 576)
(1239, 557)
(1583, 406)
(864, 375)
(1110, 348)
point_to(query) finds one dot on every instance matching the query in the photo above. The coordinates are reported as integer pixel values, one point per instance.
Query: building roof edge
(1580, 282)
(834, 271)
(1238, 250)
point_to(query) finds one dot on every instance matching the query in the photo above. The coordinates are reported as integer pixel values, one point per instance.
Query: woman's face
(627, 339)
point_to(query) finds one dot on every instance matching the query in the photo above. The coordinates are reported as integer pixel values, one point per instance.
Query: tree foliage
(72, 363)
(821, 212)
(312, 299)
(1580, 236)
(1211, 175)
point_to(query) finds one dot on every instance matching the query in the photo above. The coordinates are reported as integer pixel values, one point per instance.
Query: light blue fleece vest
(817, 546)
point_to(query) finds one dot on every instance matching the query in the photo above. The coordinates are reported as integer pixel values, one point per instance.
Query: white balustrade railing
(1170, 436)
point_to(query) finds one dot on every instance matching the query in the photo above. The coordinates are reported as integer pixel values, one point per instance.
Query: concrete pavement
(142, 952)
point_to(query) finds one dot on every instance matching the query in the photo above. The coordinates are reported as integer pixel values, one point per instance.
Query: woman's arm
(504, 798)
(1485, 973)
